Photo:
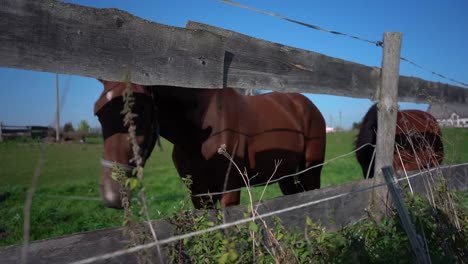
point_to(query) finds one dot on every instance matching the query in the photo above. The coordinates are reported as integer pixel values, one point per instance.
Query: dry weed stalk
(272, 242)
(129, 116)
(27, 208)
(438, 195)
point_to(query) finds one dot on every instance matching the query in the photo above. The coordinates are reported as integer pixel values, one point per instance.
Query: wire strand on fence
(288, 175)
(98, 199)
(431, 170)
(218, 227)
(243, 221)
(374, 42)
(170, 197)
(433, 72)
(377, 43)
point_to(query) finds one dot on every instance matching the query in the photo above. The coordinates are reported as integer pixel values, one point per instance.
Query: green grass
(455, 145)
(71, 170)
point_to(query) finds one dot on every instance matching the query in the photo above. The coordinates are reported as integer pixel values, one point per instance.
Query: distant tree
(357, 125)
(83, 127)
(68, 127)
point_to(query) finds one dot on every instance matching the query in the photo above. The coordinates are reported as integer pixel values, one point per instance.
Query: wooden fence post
(416, 242)
(386, 118)
(1, 137)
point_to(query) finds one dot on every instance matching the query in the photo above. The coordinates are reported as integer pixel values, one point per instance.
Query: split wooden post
(387, 114)
(416, 241)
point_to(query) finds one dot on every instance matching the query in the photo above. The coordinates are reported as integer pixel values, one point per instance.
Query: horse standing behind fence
(255, 130)
(418, 141)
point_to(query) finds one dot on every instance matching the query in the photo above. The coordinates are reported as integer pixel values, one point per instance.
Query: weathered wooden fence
(110, 44)
(334, 207)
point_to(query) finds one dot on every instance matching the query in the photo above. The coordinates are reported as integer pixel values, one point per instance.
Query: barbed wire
(245, 220)
(374, 42)
(433, 72)
(377, 43)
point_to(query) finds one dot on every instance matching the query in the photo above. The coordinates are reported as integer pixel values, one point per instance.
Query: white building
(450, 115)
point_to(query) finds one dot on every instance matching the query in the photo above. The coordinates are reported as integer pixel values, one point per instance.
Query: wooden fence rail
(52, 36)
(110, 43)
(333, 214)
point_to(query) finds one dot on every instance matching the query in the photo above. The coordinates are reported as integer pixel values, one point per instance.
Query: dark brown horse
(418, 141)
(255, 130)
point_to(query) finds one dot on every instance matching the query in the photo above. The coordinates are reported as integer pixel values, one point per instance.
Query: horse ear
(104, 83)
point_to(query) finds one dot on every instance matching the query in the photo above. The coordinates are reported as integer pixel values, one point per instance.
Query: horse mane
(368, 129)
(367, 135)
(417, 134)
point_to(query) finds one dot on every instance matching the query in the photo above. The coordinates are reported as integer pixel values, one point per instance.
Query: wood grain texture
(58, 37)
(256, 63)
(46, 35)
(260, 64)
(387, 103)
(331, 214)
(412, 89)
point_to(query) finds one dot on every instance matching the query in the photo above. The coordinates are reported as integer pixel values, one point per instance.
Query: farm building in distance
(449, 115)
(23, 131)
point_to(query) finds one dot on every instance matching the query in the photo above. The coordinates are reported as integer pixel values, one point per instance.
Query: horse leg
(230, 199)
(310, 179)
(205, 202)
(314, 157)
(290, 186)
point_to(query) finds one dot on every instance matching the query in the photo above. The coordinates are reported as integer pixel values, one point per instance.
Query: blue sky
(435, 35)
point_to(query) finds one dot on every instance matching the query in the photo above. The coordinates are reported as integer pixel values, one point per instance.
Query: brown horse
(418, 142)
(254, 130)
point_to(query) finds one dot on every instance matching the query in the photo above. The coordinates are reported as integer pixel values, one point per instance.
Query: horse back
(251, 124)
(419, 141)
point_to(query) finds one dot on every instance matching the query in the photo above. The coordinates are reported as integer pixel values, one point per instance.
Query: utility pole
(341, 123)
(57, 113)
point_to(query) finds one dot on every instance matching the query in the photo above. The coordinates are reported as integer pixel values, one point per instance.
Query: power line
(377, 43)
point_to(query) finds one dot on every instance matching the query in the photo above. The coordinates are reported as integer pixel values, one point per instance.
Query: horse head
(118, 148)
(418, 141)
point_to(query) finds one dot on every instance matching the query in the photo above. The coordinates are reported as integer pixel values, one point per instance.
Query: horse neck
(368, 131)
(181, 111)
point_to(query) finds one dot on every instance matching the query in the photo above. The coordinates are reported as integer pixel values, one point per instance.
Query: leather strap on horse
(110, 164)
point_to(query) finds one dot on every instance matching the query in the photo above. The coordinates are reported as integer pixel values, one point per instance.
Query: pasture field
(67, 196)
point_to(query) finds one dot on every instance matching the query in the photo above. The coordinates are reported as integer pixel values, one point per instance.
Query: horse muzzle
(112, 191)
